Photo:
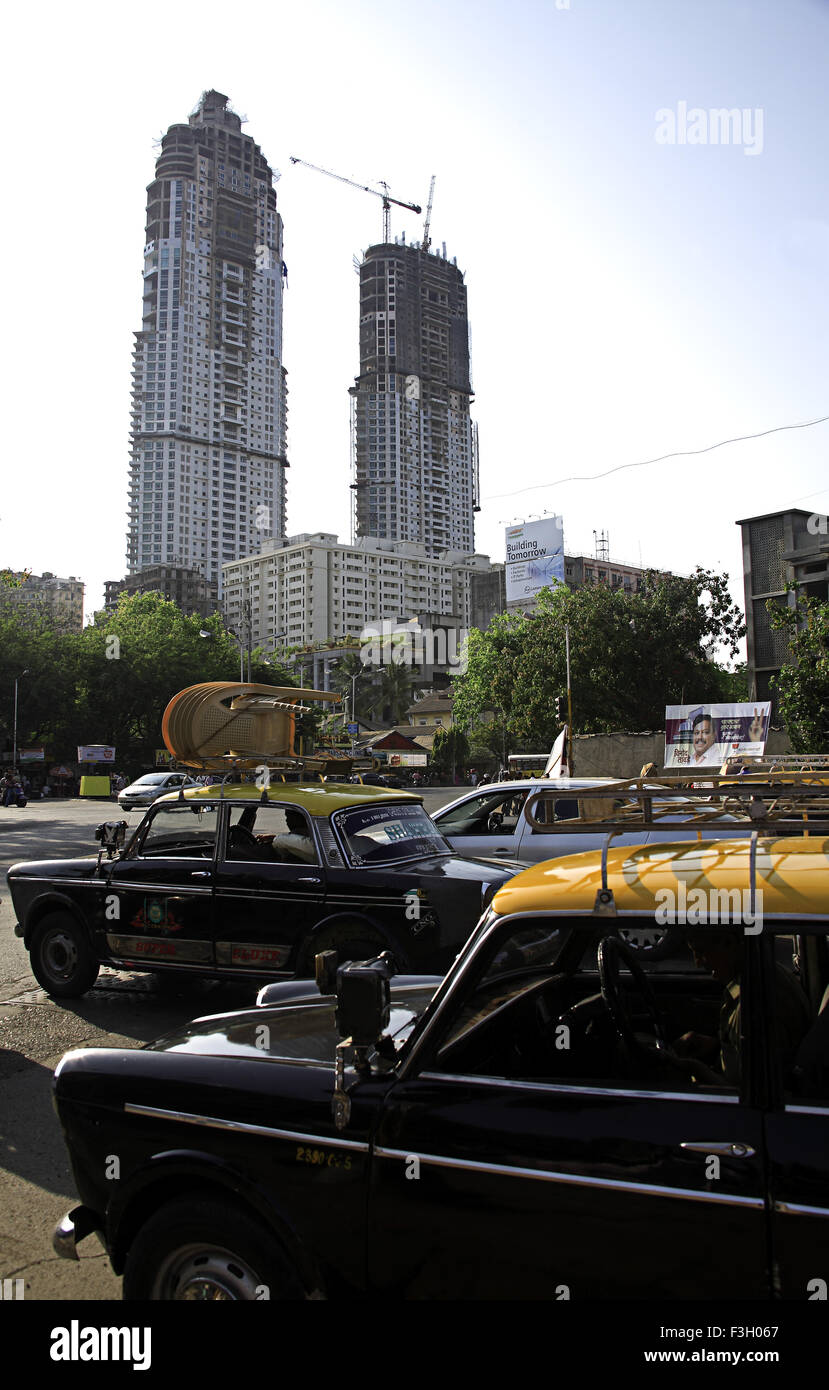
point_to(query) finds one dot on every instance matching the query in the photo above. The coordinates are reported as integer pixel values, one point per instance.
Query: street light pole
(569, 701)
(14, 752)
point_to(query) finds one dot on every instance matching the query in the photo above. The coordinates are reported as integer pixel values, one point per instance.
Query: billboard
(96, 753)
(707, 735)
(535, 557)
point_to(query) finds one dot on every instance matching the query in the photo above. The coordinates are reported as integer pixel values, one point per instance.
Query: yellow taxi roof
(317, 798)
(793, 874)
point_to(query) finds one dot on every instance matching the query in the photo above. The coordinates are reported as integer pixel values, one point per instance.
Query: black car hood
(54, 868)
(479, 870)
(302, 1032)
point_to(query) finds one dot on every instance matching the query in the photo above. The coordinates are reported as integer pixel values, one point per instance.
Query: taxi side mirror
(111, 835)
(363, 995)
(363, 1011)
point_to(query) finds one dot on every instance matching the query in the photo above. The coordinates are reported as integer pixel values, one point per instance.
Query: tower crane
(426, 241)
(364, 188)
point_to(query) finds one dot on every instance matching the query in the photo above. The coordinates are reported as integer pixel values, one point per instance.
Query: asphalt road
(124, 1009)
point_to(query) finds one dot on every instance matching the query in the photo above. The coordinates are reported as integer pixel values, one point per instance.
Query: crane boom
(426, 240)
(365, 188)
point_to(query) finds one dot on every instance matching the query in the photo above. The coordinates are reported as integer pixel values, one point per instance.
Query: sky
(637, 287)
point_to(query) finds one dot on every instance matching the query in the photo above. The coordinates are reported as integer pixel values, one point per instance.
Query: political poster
(708, 735)
(534, 558)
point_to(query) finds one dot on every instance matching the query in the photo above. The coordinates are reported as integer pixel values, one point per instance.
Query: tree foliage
(111, 682)
(450, 751)
(365, 688)
(802, 685)
(630, 656)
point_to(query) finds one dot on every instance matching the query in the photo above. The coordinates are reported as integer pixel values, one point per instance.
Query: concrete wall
(624, 755)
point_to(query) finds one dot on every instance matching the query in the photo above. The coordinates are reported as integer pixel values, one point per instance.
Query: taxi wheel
(652, 943)
(351, 941)
(61, 960)
(203, 1251)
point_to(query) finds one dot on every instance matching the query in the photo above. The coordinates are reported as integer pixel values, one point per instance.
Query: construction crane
(364, 188)
(426, 242)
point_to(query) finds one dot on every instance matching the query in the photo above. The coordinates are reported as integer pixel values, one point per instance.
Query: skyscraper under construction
(207, 481)
(414, 446)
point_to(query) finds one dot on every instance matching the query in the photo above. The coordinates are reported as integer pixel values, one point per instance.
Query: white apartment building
(316, 589)
(207, 479)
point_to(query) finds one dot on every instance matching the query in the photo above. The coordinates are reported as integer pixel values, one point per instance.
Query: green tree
(489, 743)
(112, 682)
(395, 694)
(365, 687)
(630, 656)
(450, 751)
(802, 685)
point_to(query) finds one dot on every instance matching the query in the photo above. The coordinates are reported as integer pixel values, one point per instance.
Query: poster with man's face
(708, 735)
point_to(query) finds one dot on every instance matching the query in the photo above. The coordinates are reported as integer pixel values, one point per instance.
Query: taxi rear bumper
(72, 1229)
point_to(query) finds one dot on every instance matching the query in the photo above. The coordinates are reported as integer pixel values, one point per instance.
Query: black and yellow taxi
(557, 1118)
(236, 880)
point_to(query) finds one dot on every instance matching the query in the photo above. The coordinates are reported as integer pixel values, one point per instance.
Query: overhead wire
(661, 458)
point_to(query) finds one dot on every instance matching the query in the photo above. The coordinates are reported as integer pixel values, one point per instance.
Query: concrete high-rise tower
(414, 446)
(207, 480)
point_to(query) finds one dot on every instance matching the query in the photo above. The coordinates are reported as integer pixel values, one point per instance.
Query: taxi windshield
(382, 834)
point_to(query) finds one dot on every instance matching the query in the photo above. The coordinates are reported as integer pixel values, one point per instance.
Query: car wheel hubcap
(60, 955)
(206, 1274)
(643, 940)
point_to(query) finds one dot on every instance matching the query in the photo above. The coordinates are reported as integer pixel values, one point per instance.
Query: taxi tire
(351, 941)
(670, 940)
(60, 957)
(210, 1244)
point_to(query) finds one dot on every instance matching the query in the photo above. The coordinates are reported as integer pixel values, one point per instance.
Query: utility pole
(569, 701)
(14, 753)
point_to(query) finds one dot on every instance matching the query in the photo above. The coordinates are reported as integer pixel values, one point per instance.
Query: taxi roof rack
(793, 802)
(780, 762)
(239, 769)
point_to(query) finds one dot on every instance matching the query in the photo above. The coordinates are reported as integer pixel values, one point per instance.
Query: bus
(527, 764)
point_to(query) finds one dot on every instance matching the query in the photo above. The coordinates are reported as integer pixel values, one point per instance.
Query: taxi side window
(801, 1021)
(546, 811)
(590, 1029)
(180, 832)
(492, 813)
(270, 835)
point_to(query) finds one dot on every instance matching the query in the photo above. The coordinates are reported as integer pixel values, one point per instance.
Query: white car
(150, 787)
(489, 823)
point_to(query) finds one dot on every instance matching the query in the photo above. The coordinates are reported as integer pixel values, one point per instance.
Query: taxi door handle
(307, 879)
(733, 1150)
(200, 873)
